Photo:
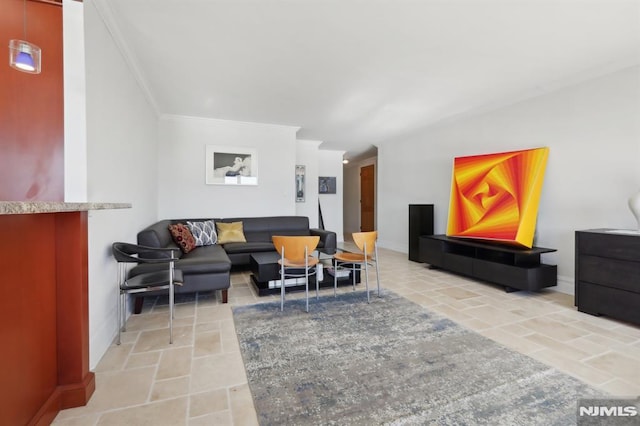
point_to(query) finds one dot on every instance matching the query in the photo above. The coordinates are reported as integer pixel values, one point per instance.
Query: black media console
(514, 268)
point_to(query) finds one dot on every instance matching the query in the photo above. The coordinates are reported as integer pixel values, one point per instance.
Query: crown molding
(167, 116)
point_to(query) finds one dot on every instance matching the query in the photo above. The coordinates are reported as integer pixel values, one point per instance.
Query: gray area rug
(391, 362)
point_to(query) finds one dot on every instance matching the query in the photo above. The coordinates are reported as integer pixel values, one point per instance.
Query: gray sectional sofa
(208, 268)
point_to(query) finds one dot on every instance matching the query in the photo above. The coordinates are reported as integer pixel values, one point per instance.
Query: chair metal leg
(119, 300)
(123, 318)
(306, 284)
(335, 277)
(119, 314)
(125, 307)
(366, 278)
(377, 272)
(317, 284)
(171, 308)
(281, 288)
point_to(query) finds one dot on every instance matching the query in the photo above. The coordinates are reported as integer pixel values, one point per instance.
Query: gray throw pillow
(203, 232)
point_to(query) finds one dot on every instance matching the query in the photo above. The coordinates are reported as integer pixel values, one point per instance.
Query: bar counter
(44, 309)
(34, 207)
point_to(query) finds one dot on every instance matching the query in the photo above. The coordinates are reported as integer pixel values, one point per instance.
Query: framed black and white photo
(231, 165)
(327, 185)
(300, 181)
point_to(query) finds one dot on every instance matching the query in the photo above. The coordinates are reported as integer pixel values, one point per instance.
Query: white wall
(352, 194)
(75, 130)
(307, 155)
(593, 132)
(330, 164)
(183, 192)
(122, 167)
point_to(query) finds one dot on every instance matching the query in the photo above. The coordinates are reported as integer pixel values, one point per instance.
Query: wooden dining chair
(295, 261)
(368, 255)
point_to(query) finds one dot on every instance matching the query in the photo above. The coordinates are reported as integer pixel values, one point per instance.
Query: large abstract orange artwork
(495, 196)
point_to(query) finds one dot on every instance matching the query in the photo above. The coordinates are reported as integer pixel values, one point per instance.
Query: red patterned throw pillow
(183, 237)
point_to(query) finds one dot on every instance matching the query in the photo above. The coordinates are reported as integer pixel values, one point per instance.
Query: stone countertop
(34, 207)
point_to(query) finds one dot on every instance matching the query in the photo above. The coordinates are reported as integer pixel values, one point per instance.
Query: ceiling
(356, 73)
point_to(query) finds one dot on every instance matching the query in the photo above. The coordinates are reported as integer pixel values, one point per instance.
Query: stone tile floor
(200, 378)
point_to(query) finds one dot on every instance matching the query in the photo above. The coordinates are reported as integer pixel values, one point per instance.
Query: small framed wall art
(327, 185)
(300, 182)
(231, 165)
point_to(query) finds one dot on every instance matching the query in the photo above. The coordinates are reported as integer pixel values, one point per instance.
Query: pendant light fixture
(24, 56)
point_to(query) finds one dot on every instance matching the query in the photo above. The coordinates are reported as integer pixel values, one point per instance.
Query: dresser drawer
(620, 274)
(598, 300)
(603, 244)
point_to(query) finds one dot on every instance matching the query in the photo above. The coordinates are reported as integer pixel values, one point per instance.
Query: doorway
(367, 198)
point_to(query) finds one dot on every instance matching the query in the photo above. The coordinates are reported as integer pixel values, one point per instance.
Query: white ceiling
(353, 73)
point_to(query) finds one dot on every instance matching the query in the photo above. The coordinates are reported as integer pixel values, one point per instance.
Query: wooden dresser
(607, 275)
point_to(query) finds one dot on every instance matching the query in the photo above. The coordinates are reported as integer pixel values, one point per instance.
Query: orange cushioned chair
(295, 261)
(367, 243)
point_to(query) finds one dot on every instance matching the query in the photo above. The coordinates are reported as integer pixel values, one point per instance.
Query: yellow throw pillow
(230, 232)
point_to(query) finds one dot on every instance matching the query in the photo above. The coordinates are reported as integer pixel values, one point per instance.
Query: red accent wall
(32, 107)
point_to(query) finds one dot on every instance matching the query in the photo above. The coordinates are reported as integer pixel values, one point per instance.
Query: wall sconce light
(345, 161)
(24, 56)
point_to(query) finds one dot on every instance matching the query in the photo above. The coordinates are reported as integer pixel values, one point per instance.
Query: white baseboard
(101, 339)
(565, 285)
(393, 246)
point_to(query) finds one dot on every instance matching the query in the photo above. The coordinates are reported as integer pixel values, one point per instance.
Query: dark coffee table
(265, 274)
